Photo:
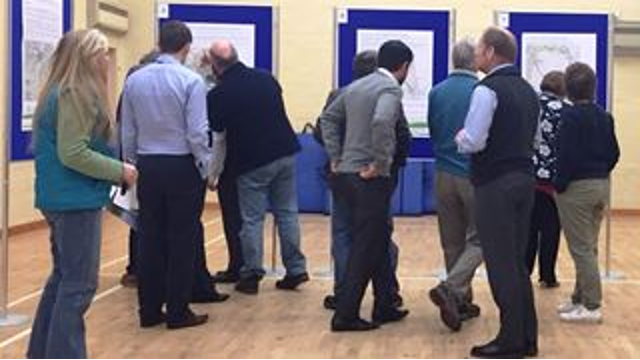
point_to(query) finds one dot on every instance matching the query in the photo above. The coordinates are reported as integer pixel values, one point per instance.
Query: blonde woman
(74, 171)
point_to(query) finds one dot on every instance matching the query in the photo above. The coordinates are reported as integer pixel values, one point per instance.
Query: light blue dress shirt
(164, 112)
(484, 101)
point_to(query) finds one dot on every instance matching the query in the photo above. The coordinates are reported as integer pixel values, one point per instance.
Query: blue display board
(20, 139)
(350, 21)
(573, 25)
(259, 16)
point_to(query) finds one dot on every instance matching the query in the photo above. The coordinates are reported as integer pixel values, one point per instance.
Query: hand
(334, 167)
(129, 174)
(212, 183)
(369, 172)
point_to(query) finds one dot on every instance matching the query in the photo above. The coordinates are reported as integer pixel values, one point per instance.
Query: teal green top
(448, 105)
(74, 166)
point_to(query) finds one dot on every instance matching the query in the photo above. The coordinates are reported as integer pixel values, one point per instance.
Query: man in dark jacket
(247, 113)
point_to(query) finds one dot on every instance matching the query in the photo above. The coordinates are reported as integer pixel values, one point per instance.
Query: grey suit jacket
(368, 109)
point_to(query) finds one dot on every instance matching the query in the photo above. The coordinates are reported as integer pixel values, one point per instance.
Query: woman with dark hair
(544, 234)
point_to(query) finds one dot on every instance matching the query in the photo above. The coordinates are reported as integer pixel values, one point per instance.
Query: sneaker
(567, 306)
(582, 314)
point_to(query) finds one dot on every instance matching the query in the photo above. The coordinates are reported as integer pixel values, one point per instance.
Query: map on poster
(544, 52)
(420, 79)
(42, 21)
(204, 34)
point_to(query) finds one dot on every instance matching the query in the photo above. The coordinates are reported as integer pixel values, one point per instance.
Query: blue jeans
(270, 186)
(58, 329)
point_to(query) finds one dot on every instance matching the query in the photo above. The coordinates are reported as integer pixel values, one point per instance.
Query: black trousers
(369, 201)
(231, 219)
(503, 212)
(171, 195)
(132, 266)
(544, 237)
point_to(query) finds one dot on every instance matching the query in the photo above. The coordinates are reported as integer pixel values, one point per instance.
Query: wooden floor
(278, 324)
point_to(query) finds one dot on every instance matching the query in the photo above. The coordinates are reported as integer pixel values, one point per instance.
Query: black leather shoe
(397, 301)
(389, 315)
(549, 284)
(531, 351)
(225, 277)
(468, 311)
(190, 320)
(248, 286)
(329, 302)
(441, 297)
(151, 321)
(339, 325)
(292, 282)
(216, 297)
(129, 281)
(494, 351)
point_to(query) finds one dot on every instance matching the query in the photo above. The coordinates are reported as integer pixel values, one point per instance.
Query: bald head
(223, 54)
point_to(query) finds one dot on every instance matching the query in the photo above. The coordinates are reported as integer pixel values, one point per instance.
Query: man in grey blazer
(368, 109)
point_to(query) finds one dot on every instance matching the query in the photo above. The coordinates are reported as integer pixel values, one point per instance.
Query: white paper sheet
(243, 37)
(42, 26)
(544, 52)
(128, 201)
(420, 80)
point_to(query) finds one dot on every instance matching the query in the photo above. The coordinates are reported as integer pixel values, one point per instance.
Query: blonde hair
(72, 68)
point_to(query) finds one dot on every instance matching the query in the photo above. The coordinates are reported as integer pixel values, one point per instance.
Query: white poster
(42, 28)
(544, 52)
(420, 80)
(243, 37)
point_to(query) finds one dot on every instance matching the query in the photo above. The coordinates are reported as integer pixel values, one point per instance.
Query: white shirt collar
(389, 74)
(501, 66)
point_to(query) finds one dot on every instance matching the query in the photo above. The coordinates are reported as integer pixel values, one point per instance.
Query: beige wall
(3, 96)
(306, 66)
(306, 53)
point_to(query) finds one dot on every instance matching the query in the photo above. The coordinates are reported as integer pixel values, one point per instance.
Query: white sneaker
(582, 314)
(566, 307)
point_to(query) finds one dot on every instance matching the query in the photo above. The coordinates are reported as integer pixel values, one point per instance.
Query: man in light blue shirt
(499, 132)
(165, 131)
(165, 112)
(448, 106)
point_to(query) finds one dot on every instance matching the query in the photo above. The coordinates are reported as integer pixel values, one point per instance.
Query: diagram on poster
(420, 79)
(42, 27)
(204, 34)
(544, 52)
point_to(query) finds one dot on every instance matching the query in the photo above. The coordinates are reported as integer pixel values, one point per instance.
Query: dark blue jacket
(248, 105)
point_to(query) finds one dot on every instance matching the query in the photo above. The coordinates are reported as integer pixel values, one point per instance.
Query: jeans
(270, 186)
(58, 329)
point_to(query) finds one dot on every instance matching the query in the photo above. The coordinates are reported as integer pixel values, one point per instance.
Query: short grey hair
(463, 54)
